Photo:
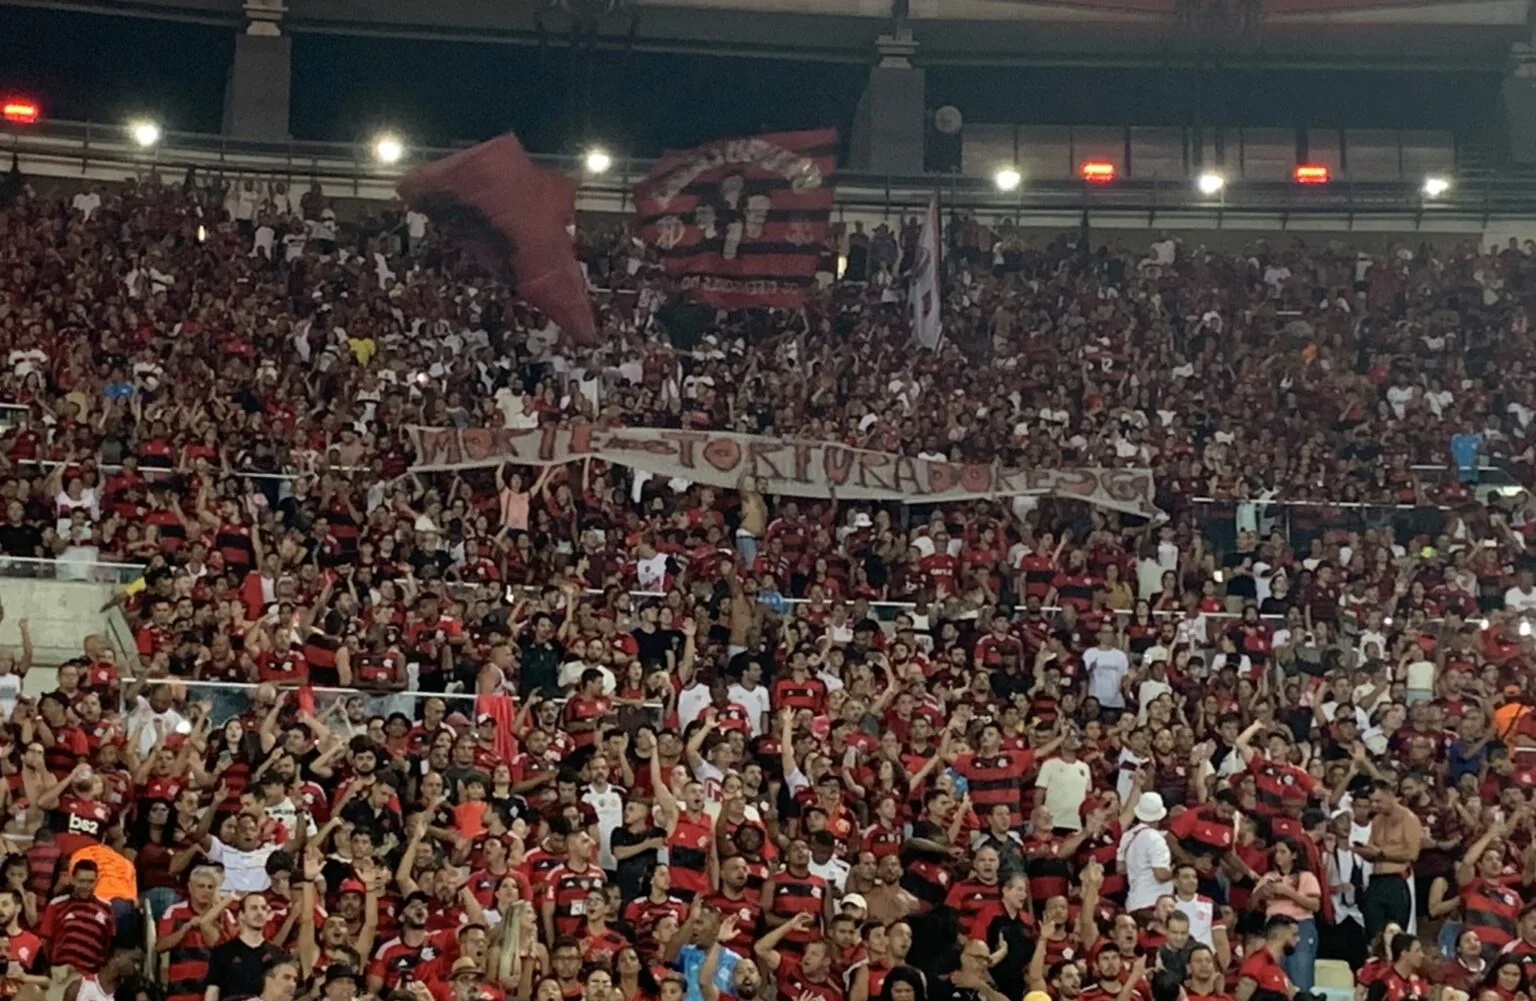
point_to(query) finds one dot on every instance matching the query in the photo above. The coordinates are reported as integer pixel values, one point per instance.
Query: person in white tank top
(90, 989)
(103, 986)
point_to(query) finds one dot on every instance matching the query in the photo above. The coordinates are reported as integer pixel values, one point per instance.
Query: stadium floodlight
(1434, 187)
(597, 160)
(388, 149)
(1210, 183)
(1007, 178)
(145, 132)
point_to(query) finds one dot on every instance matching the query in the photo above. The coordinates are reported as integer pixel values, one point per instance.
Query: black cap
(339, 971)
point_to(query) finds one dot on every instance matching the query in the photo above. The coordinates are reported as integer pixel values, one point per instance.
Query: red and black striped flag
(742, 222)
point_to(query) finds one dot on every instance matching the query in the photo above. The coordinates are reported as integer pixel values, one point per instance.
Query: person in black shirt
(634, 847)
(655, 644)
(239, 968)
(371, 810)
(539, 668)
(1238, 568)
(17, 537)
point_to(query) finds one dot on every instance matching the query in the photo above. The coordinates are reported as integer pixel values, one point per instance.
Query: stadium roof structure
(1354, 34)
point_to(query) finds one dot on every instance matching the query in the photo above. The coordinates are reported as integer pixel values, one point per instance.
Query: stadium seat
(1333, 974)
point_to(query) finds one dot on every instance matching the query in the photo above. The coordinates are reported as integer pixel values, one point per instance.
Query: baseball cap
(855, 900)
(352, 886)
(340, 971)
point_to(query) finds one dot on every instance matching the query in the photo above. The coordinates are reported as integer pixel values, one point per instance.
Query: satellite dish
(948, 119)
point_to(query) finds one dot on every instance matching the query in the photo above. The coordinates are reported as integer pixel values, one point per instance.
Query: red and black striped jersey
(78, 932)
(187, 971)
(568, 888)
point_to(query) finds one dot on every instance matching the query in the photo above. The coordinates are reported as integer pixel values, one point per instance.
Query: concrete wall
(60, 614)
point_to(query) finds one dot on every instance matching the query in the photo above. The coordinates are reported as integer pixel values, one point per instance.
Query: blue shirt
(775, 601)
(1465, 449)
(691, 958)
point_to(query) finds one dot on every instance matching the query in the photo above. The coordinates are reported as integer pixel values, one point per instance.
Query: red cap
(353, 886)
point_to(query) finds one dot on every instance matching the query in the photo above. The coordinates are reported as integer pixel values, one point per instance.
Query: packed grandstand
(585, 730)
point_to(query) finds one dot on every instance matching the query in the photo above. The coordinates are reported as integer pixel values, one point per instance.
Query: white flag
(925, 297)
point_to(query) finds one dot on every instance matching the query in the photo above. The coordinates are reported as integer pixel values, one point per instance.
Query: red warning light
(1097, 171)
(19, 111)
(1311, 173)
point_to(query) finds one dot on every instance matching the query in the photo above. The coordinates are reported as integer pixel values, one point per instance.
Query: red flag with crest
(742, 222)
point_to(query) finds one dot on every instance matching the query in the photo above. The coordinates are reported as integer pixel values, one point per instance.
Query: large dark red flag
(512, 214)
(742, 222)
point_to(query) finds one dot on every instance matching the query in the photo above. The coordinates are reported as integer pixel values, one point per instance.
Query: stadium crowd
(620, 739)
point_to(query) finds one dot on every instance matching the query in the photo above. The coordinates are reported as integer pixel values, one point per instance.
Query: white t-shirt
(24, 361)
(754, 701)
(1399, 397)
(834, 870)
(1421, 675)
(1202, 918)
(1106, 669)
(286, 813)
(609, 807)
(1066, 785)
(1125, 771)
(1520, 601)
(244, 872)
(1142, 850)
(87, 202)
(10, 692)
(651, 573)
(691, 702)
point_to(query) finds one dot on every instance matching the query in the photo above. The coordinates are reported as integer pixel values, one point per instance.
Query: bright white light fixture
(1007, 178)
(145, 133)
(597, 161)
(1210, 184)
(388, 149)
(1434, 187)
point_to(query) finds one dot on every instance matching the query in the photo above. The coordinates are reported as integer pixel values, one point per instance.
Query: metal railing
(64, 148)
(224, 700)
(78, 564)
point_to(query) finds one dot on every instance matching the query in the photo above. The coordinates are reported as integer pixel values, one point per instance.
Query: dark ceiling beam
(851, 41)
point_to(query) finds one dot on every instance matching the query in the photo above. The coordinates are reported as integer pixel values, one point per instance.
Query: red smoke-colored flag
(742, 222)
(512, 214)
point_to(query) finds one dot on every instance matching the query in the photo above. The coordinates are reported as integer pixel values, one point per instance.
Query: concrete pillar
(256, 96)
(891, 120)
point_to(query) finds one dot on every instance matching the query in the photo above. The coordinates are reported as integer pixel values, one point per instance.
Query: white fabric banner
(790, 467)
(926, 299)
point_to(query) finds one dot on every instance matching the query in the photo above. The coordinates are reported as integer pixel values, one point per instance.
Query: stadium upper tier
(1449, 33)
